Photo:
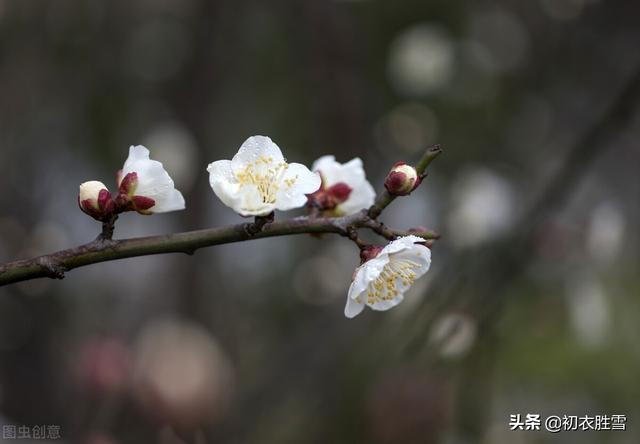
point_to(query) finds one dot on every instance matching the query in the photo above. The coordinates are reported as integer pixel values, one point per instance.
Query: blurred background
(530, 306)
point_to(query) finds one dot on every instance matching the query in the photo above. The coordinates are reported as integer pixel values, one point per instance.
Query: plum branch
(104, 248)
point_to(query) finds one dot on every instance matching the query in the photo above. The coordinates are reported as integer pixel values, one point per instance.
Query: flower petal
(416, 253)
(369, 272)
(295, 184)
(153, 181)
(400, 244)
(387, 304)
(353, 307)
(171, 201)
(362, 196)
(245, 200)
(333, 172)
(251, 202)
(324, 163)
(256, 147)
(223, 183)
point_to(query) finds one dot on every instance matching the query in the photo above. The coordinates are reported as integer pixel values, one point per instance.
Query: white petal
(353, 307)
(360, 281)
(418, 254)
(244, 200)
(295, 184)
(171, 201)
(251, 202)
(153, 181)
(324, 163)
(223, 182)
(362, 196)
(256, 147)
(369, 272)
(333, 172)
(400, 244)
(386, 305)
(137, 154)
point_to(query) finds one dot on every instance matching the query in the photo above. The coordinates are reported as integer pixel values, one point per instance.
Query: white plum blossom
(258, 180)
(382, 281)
(345, 187)
(146, 186)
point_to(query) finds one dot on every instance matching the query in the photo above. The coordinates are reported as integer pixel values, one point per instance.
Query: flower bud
(95, 200)
(127, 184)
(402, 179)
(127, 199)
(369, 252)
(327, 199)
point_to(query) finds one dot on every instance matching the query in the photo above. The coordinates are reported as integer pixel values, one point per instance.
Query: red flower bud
(370, 252)
(402, 179)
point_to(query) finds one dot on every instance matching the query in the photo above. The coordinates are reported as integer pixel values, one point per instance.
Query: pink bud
(95, 200)
(370, 252)
(402, 179)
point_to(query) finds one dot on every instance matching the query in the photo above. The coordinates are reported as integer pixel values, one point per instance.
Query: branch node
(352, 233)
(54, 269)
(258, 224)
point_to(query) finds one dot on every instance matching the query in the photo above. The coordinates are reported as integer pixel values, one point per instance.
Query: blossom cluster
(143, 186)
(257, 181)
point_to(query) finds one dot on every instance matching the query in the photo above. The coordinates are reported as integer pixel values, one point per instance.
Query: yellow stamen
(384, 287)
(266, 176)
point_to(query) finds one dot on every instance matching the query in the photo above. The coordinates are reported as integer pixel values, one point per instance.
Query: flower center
(266, 176)
(385, 286)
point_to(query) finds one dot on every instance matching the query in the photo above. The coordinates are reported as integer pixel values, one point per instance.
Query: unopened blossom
(345, 189)
(381, 282)
(95, 200)
(402, 179)
(258, 180)
(145, 186)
